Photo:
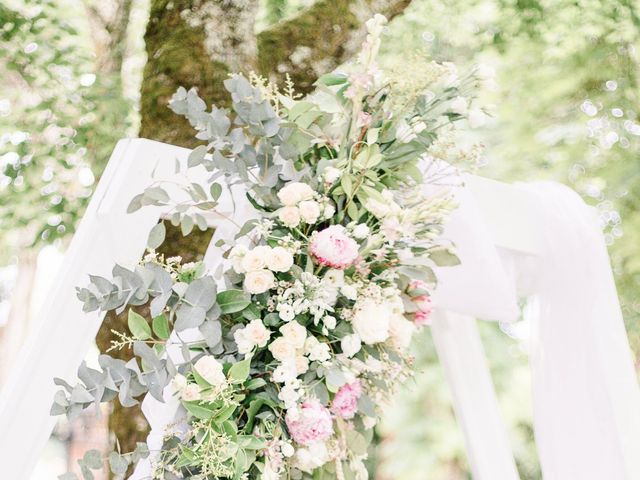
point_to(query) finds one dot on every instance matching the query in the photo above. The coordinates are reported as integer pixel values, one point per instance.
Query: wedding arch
(513, 240)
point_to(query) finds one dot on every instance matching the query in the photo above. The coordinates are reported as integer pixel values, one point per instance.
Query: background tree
(198, 43)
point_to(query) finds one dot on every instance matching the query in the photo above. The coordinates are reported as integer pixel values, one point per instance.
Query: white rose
(294, 333)
(311, 457)
(243, 342)
(309, 211)
(334, 277)
(258, 333)
(459, 105)
(191, 393)
(279, 260)
(255, 259)
(349, 291)
(331, 174)
(289, 395)
(302, 364)
(287, 449)
(476, 118)
(211, 370)
(295, 192)
(361, 231)
(400, 332)
(284, 373)
(319, 352)
(371, 321)
(290, 216)
(350, 345)
(179, 382)
(286, 312)
(329, 210)
(281, 349)
(377, 209)
(259, 281)
(329, 322)
(236, 255)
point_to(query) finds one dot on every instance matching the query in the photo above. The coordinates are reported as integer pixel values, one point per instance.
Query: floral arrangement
(304, 336)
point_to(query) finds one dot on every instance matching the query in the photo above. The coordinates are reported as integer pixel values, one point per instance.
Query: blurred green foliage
(566, 108)
(59, 121)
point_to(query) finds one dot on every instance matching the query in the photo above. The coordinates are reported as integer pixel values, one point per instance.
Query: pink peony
(332, 247)
(309, 424)
(423, 315)
(345, 403)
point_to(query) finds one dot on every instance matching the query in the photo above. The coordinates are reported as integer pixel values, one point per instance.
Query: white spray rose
(255, 334)
(349, 291)
(361, 231)
(282, 350)
(211, 370)
(317, 351)
(294, 333)
(302, 364)
(285, 372)
(259, 281)
(279, 260)
(329, 210)
(377, 209)
(290, 216)
(334, 277)
(371, 321)
(329, 322)
(287, 449)
(350, 345)
(331, 175)
(311, 457)
(459, 105)
(286, 312)
(309, 211)
(295, 192)
(400, 332)
(255, 259)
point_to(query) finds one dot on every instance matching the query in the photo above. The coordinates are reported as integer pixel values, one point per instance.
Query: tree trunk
(197, 43)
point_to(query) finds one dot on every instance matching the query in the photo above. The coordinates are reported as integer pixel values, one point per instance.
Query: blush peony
(332, 247)
(311, 423)
(345, 403)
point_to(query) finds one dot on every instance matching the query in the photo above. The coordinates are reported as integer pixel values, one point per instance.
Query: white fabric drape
(585, 391)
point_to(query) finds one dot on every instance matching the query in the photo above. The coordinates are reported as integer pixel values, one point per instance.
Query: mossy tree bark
(197, 43)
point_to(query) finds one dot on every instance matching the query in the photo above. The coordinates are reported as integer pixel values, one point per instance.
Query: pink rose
(332, 247)
(309, 424)
(420, 319)
(345, 403)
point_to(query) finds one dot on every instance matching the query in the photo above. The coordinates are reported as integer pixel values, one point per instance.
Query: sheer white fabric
(585, 390)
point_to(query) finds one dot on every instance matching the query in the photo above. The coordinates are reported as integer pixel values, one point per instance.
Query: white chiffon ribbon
(585, 391)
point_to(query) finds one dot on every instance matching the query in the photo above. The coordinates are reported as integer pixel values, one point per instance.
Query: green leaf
(138, 326)
(232, 301)
(161, 327)
(118, 464)
(198, 411)
(331, 79)
(216, 190)
(156, 235)
(240, 371)
(444, 258)
(347, 184)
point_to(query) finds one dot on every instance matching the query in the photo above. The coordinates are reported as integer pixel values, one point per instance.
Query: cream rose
(309, 211)
(371, 321)
(259, 281)
(294, 333)
(282, 350)
(290, 216)
(295, 192)
(255, 259)
(211, 370)
(255, 334)
(350, 345)
(279, 260)
(400, 332)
